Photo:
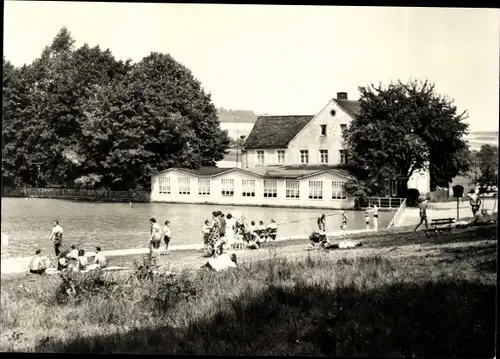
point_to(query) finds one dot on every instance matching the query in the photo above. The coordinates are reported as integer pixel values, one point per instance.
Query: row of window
(304, 157)
(270, 188)
(343, 128)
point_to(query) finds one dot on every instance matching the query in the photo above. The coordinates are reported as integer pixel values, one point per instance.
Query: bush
(412, 197)
(80, 286)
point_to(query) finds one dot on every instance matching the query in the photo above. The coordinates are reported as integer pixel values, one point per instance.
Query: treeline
(236, 116)
(80, 117)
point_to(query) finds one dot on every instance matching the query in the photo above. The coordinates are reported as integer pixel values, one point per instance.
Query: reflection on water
(28, 222)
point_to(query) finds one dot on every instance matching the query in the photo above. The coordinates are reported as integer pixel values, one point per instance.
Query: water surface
(28, 222)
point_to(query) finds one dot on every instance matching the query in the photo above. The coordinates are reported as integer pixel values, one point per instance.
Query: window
(338, 191)
(164, 185)
(387, 189)
(323, 156)
(394, 188)
(204, 186)
(248, 188)
(304, 156)
(315, 189)
(323, 130)
(292, 189)
(281, 157)
(270, 188)
(343, 128)
(184, 186)
(227, 187)
(343, 157)
(260, 157)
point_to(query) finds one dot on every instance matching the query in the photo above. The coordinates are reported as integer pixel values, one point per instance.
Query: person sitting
(38, 264)
(318, 239)
(261, 231)
(82, 261)
(100, 259)
(272, 230)
(73, 253)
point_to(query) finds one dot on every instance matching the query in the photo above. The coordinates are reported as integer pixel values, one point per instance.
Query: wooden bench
(439, 225)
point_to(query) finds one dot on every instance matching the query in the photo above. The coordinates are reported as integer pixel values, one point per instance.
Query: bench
(439, 225)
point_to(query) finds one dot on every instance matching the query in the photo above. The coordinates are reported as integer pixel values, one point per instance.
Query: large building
(286, 161)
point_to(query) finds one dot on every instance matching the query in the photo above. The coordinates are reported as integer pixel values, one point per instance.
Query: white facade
(239, 187)
(420, 180)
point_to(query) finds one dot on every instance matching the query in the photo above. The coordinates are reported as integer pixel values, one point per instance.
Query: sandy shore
(20, 264)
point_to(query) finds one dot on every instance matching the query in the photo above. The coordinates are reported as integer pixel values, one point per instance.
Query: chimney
(341, 95)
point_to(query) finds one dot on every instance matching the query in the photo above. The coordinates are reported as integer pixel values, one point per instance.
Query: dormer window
(323, 130)
(343, 128)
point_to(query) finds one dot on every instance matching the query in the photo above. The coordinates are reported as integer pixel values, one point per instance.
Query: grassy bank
(441, 303)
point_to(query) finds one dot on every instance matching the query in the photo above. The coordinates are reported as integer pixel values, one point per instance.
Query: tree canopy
(407, 127)
(81, 117)
(487, 160)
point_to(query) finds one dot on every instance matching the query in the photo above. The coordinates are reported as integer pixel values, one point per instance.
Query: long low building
(278, 186)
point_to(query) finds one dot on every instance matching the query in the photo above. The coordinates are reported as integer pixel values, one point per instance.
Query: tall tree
(157, 117)
(487, 159)
(403, 128)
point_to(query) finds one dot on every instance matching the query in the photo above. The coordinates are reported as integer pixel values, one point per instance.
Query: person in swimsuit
(206, 232)
(475, 202)
(343, 222)
(375, 217)
(322, 223)
(167, 235)
(38, 264)
(155, 241)
(367, 219)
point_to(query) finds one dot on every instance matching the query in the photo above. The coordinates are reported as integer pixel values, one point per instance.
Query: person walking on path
(423, 213)
(56, 237)
(475, 201)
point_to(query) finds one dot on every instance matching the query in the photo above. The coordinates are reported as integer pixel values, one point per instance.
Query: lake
(28, 222)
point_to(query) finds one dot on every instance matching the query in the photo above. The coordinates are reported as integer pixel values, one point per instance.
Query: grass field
(399, 295)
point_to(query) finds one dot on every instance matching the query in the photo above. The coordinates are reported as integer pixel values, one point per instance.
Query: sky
(278, 59)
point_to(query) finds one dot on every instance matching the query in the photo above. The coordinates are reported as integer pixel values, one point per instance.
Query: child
(167, 234)
(205, 232)
(343, 222)
(272, 229)
(367, 219)
(82, 261)
(375, 217)
(73, 253)
(261, 231)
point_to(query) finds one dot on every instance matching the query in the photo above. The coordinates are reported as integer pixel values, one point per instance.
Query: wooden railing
(386, 202)
(75, 193)
(399, 213)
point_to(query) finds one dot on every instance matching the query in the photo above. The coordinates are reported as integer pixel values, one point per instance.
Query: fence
(78, 194)
(397, 217)
(386, 202)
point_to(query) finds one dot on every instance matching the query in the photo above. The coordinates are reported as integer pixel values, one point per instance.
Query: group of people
(226, 231)
(73, 259)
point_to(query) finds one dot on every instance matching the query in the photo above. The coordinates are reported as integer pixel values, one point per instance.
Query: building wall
(238, 198)
(310, 137)
(249, 159)
(420, 180)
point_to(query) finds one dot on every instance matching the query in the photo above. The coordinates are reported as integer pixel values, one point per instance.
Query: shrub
(80, 286)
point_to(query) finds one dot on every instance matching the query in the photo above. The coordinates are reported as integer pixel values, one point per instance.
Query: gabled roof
(352, 108)
(264, 172)
(275, 131)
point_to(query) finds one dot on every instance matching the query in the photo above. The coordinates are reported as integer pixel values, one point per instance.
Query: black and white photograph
(249, 179)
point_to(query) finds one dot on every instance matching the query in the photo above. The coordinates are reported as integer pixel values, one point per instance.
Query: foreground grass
(413, 306)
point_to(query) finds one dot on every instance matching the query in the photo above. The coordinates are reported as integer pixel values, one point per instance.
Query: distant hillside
(236, 116)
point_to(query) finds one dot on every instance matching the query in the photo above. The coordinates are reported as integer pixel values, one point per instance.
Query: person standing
(154, 241)
(214, 233)
(230, 230)
(375, 217)
(167, 235)
(475, 201)
(423, 213)
(222, 237)
(367, 219)
(322, 223)
(343, 222)
(56, 236)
